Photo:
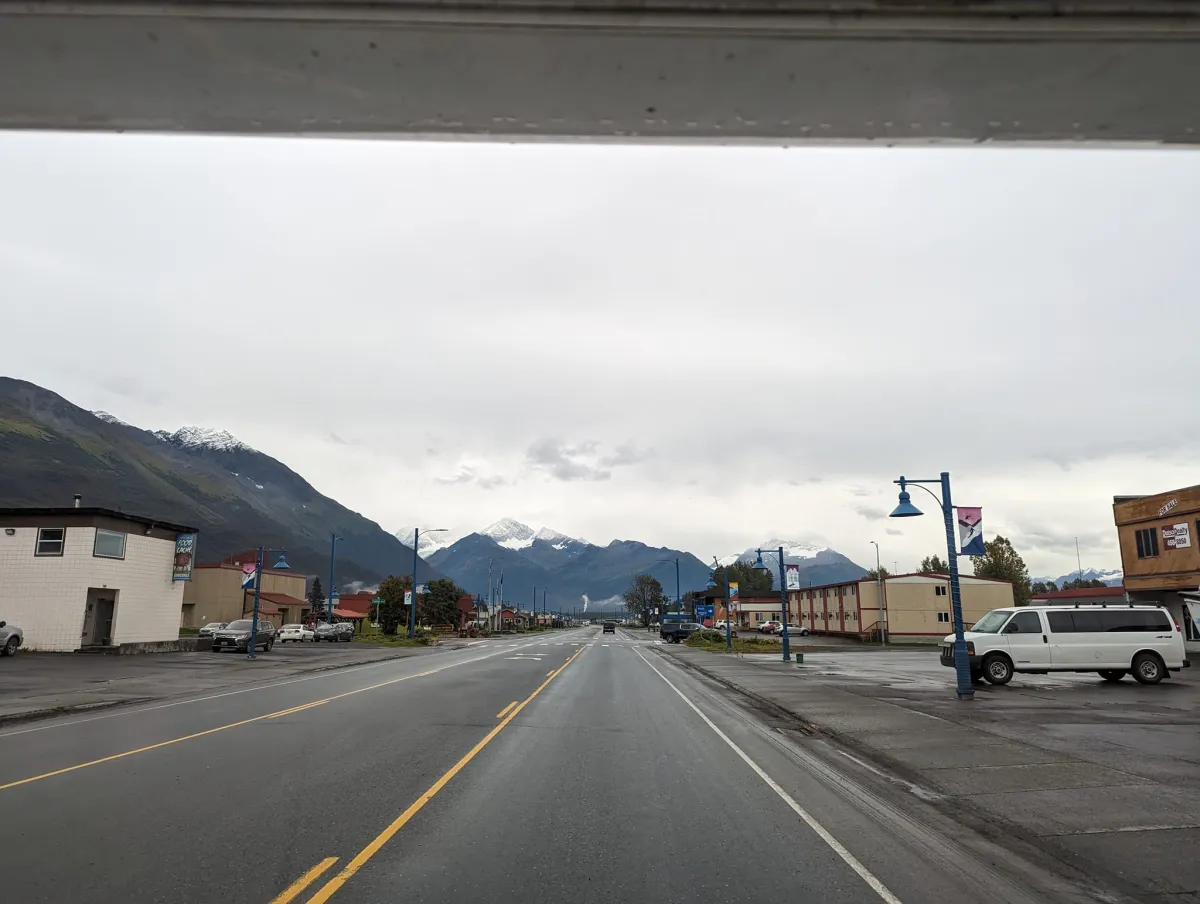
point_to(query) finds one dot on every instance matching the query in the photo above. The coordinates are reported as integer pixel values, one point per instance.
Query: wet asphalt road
(620, 778)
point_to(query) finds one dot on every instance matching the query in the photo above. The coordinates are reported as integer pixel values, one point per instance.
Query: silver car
(212, 628)
(11, 637)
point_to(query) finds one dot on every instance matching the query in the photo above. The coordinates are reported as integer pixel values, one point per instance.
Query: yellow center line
(209, 731)
(303, 882)
(330, 888)
(500, 715)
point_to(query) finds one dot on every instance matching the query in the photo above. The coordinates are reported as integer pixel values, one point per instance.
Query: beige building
(917, 606)
(215, 594)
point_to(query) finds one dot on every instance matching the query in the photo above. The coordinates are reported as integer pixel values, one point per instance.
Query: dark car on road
(609, 628)
(337, 631)
(236, 636)
(677, 632)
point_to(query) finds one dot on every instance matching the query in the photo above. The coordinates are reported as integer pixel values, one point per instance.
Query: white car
(212, 628)
(794, 631)
(297, 633)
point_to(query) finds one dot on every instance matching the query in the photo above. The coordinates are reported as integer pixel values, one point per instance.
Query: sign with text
(185, 556)
(1177, 536)
(705, 611)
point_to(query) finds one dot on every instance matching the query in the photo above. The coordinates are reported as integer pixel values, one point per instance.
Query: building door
(98, 617)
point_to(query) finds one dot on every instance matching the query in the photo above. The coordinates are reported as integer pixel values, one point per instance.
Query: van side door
(1027, 641)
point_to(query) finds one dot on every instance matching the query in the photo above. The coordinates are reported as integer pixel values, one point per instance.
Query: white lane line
(474, 643)
(525, 658)
(851, 861)
(604, 645)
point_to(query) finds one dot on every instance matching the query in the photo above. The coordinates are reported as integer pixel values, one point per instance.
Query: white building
(79, 578)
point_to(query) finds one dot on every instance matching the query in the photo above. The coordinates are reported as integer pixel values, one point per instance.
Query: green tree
(1082, 583)
(392, 611)
(645, 594)
(316, 598)
(1051, 587)
(875, 573)
(934, 564)
(1037, 587)
(745, 575)
(1002, 563)
(440, 605)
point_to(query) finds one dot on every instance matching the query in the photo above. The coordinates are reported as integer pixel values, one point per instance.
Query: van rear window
(1096, 621)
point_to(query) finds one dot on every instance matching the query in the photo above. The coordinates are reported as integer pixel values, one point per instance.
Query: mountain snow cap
(206, 438)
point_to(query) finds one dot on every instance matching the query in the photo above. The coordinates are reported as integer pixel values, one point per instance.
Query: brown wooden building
(1159, 552)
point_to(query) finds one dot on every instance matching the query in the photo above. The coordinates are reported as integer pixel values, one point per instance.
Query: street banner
(408, 597)
(248, 572)
(185, 554)
(970, 531)
(733, 591)
(1177, 536)
(793, 577)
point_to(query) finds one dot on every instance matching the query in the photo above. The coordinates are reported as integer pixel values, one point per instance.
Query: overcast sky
(692, 347)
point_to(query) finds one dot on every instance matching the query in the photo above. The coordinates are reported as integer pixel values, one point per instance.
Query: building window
(850, 591)
(50, 541)
(939, 590)
(1147, 543)
(943, 616)
(110, 544)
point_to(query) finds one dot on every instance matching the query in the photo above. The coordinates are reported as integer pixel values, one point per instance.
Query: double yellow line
(328, 890)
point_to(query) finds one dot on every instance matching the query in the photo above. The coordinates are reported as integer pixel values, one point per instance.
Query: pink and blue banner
(970, 531)
(249, 572)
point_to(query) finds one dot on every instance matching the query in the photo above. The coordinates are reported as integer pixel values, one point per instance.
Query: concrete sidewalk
(36, 685)
(1107, 776)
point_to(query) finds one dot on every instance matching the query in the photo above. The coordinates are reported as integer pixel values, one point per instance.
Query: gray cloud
(870, 512)
(562, 461)
(890, 531)
(534, 339)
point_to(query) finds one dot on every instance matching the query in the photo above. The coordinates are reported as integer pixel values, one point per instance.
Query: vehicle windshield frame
(1002, 618)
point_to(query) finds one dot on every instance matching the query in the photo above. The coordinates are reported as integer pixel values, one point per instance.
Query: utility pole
(491, 598)
(879, 591)
(1078, 561)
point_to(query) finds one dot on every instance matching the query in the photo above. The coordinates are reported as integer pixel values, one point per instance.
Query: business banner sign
(185, 557)
(970, 531)
(249, 571)
(1177, 536)
(793, 577)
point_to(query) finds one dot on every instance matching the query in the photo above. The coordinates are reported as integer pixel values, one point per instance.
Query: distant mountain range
(238, 497)
(571, 569)
(1113, 577)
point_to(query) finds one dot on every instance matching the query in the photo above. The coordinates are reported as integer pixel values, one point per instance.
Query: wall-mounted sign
(1177, 536)
(1166, 508)
(185, 556)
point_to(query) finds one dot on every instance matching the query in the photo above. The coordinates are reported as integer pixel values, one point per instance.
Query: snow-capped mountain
(510, 533)
(793, 552)
(202, 438)
(1113, 577)
(429, 543)
(110, 418)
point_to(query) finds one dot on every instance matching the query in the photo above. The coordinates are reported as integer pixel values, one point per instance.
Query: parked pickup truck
(676, 632)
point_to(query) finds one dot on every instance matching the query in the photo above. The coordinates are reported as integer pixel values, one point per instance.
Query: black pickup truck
(677, 632)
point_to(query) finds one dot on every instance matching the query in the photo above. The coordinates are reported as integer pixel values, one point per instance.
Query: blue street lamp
(905, 509)
(783, 601)
(333, 541)
(282, 565)
(412, 612)
(728, 614)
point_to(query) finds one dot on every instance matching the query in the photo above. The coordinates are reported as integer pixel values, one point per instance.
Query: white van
(1111, 640)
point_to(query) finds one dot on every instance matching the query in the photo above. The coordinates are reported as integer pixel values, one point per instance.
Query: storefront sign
(1166, 508)
(1177, 536)
(185, 556)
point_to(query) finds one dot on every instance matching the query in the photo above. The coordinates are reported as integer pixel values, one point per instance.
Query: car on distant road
(609, 628)
(324, 631)
(343, 631)
(295, 633)
(769, 627)
(236, 636)
(11, 637)
(678, 632)
(794, 631)
(212, 628)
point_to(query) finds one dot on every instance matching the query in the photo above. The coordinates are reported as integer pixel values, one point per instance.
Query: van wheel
(997, 669)
(1148, 668)
(1112, 674)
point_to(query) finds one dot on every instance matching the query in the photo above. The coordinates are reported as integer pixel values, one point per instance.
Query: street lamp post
(879, 597)
(258, 568)
(905, 509)
(760, 565)
(412, 612)
(333, 541)
(728, 614)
